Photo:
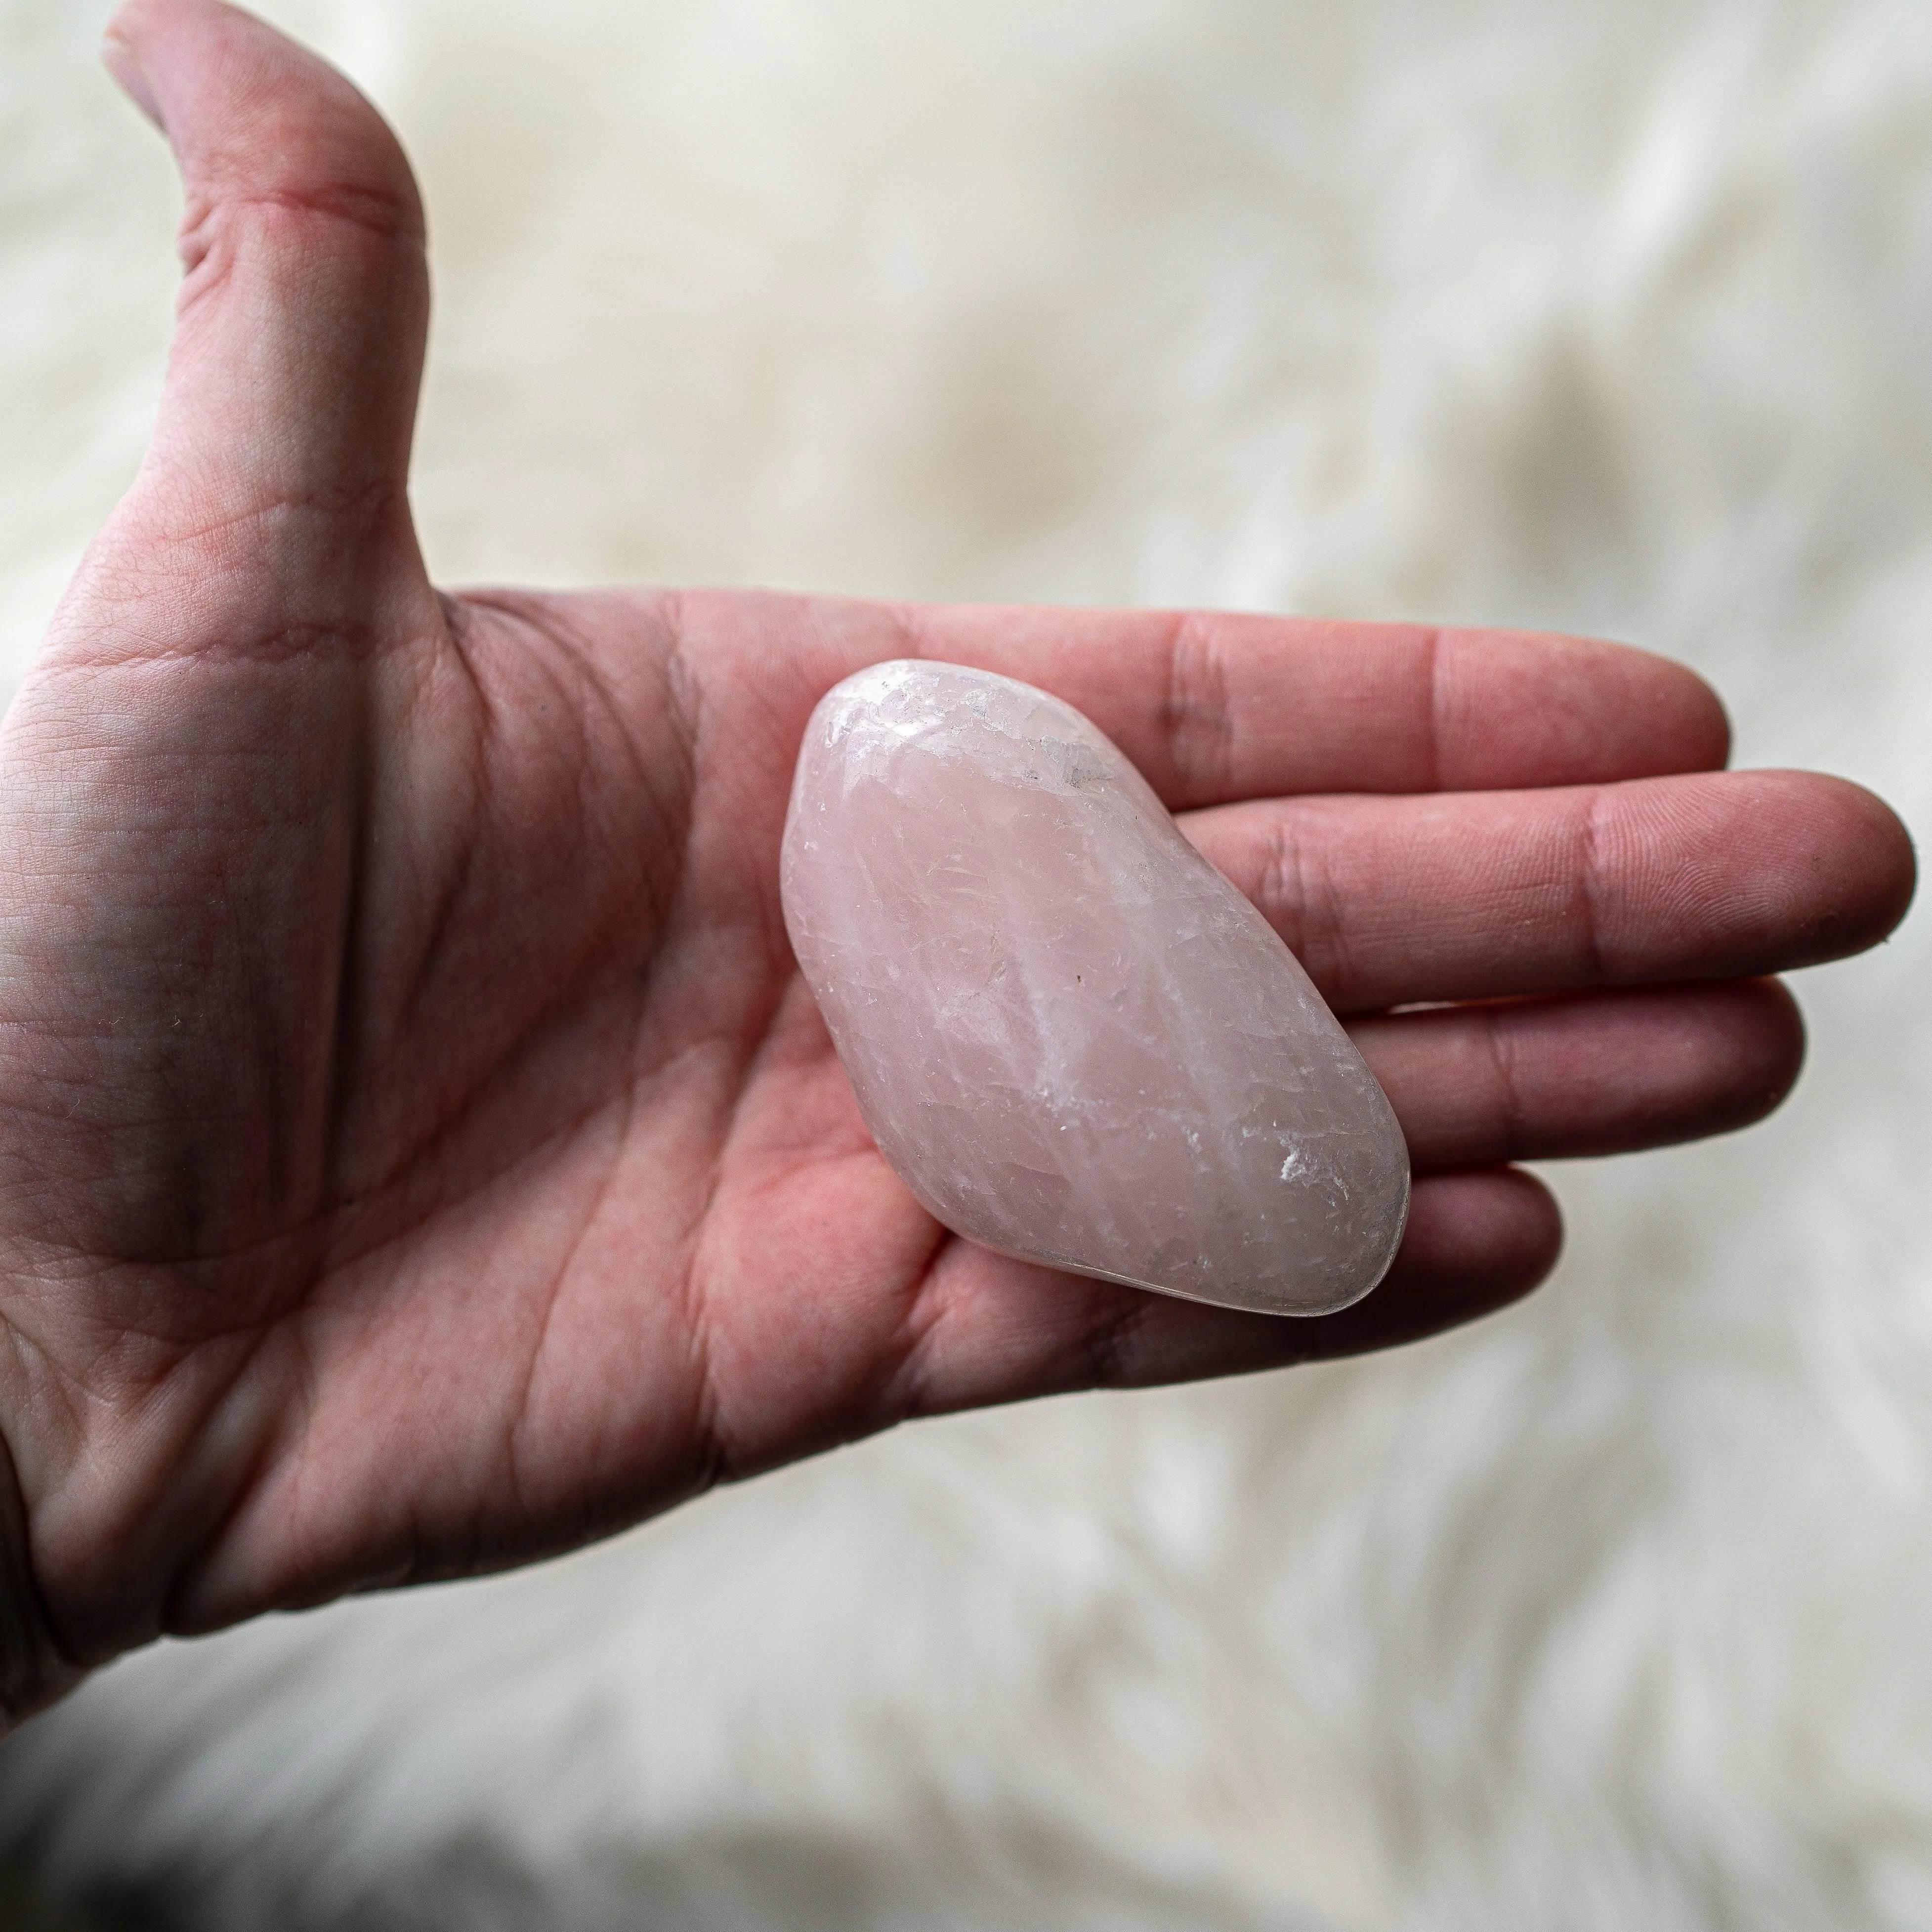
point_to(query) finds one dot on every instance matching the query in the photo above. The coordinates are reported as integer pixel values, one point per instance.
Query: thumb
(298, 345)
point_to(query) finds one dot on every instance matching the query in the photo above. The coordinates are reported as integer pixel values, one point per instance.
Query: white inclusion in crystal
(957, 815)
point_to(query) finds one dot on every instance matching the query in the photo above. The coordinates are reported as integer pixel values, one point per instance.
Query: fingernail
(118, 57)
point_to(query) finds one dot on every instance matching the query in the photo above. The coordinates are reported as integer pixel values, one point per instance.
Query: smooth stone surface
(1073, 1040)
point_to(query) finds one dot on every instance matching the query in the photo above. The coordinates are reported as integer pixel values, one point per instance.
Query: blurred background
(1609, 1614)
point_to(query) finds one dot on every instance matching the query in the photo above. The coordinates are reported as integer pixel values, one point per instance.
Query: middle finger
(1487, 895)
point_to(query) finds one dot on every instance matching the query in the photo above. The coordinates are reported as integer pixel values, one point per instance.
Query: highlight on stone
(1071, 1038)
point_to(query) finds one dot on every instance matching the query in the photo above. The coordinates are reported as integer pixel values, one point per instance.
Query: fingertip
(1526, 708)
(1671, 719)
(1669, 712)
(1859, 869)
(1893, 862)
(1698, 725)
(250, 109)
(1475, 1243)
(1766, 1047)
(118, 57)
(1706, 723)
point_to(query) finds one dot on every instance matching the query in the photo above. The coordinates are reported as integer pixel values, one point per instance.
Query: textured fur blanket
(1610, 1614)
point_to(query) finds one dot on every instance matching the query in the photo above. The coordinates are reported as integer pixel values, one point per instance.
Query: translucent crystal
(1073, 1040)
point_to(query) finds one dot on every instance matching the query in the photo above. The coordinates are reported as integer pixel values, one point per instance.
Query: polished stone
(1073, 1039)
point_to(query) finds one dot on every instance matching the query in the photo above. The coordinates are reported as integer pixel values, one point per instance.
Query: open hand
(418, 1151)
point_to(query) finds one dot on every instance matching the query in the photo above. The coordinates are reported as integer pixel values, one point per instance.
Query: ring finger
(1476, 1086)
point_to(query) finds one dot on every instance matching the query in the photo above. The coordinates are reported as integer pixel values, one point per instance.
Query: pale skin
(418, 1151)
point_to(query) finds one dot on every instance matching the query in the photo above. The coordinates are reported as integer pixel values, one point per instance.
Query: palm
(420, 1150)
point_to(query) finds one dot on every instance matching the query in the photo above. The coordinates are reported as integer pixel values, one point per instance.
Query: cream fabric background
(1610, 1614)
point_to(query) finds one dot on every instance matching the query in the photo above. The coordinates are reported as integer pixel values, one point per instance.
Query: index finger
(1215, 707)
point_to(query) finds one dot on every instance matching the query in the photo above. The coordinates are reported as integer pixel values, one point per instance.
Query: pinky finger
(1474, 1244)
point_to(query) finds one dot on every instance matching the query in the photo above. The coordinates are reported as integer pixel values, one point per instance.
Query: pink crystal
(1073, 1040)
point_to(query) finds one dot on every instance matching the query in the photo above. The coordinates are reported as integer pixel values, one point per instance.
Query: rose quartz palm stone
(1073, 1039)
